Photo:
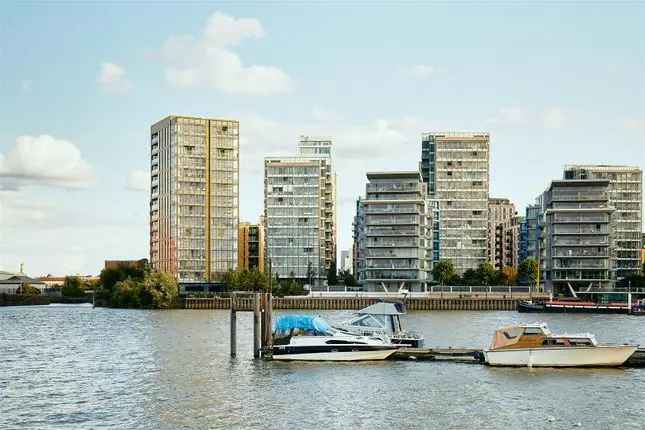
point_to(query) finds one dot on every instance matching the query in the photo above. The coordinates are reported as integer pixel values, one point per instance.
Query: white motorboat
(534, 345)
(308, 338)
(383, 318)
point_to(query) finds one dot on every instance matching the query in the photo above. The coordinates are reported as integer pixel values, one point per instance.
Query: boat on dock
(382, 318)
(309, 338)
(534, 345)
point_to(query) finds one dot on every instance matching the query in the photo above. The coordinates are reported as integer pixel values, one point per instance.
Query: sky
(81, 83)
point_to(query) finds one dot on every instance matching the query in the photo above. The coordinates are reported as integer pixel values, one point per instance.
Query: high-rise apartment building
(300, 211)
(455, 167)
(625, 195)
(294, 209)
(531, 226)
(503, 233)
(315, 147)
(358, 260)
(397, 229)
(251, 247)
(576, 237)
(194, 197)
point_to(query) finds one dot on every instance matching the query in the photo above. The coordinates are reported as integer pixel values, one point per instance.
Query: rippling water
(80, 368)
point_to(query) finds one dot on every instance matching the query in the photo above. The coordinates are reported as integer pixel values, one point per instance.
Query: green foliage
(155, 290)
(28, 290)
(160, 291)
(487, 275)
(110, 277)
(528, 271)
(126, 294)
(332, 276)
(444, 272)
(246, 280)
(348, 279)
(288, 287)
(73, 287)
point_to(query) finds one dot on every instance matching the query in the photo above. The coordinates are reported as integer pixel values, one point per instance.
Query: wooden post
(270, 321)
(256, 325)
(233, 327)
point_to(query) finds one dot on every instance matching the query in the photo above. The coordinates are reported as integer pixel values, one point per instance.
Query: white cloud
(421, 71)
(138, 180)
(45, 160)
(26, 85)
(635, 123)
(510, 116)
(554, 117)
(209, 61)
(112, 79)
(322, 114)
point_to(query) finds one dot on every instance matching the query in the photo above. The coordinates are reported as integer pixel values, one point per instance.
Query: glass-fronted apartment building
(455, 166)
(625, 195)
(294, 210)
(397, 227)
(576, 238)
(194, 197)
(322, 147)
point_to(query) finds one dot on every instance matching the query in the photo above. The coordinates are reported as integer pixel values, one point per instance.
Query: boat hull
(570, 308)
(365, 355)
(596, 356)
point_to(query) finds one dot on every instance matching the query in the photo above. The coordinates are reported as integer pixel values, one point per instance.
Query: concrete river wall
(463, 303)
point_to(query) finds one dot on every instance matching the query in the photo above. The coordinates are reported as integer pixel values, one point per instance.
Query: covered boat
(534, 345)
(382, 318)
(310, 338)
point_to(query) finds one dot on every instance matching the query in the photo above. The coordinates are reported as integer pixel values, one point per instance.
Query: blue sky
(80, 85)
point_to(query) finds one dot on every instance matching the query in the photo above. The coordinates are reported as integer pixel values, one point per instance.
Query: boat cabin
(382, 316)
(537, 336)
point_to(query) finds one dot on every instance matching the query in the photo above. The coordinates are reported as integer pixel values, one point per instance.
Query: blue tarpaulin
(286, 325)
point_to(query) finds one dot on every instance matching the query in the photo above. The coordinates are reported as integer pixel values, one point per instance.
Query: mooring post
(270, 323)
(233, 327)
(263, 338)
(256, 325)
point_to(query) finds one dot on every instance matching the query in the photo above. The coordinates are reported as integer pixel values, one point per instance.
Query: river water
(84, 368)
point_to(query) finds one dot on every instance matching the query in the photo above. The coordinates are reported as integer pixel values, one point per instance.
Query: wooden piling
(233, 327)
(256, 325)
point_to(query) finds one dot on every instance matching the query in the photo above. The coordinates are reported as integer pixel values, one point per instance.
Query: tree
(486, 274)
(28, 290)
(72, 287)
(509, 275)
(471, 278)
(444, 272)
(332, 276)
(127, 294)
(161, 288)
(348, 279)
(528, 271)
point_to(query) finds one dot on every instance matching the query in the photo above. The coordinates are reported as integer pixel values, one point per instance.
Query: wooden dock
(458, 303)
(472, 356)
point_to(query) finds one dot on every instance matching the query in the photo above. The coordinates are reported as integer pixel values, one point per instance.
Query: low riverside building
(12, 283)
(576, 241)
(396, 228)
(250, 247)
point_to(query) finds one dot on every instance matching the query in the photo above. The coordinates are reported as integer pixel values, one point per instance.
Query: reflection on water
(78, 368)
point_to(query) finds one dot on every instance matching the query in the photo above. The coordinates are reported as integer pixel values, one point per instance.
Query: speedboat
(382, 318)
(534, 345)
(309, 338)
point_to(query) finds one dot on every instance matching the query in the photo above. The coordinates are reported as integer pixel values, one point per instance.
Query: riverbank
(438, 303)
(35, 300)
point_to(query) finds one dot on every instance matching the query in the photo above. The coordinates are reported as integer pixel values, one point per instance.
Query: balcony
(393, 188)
